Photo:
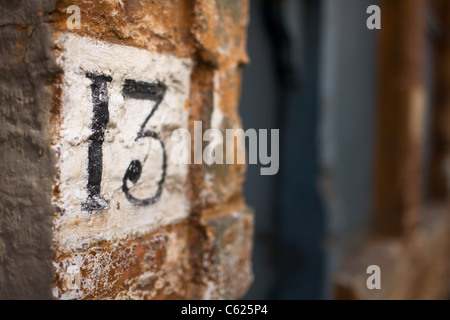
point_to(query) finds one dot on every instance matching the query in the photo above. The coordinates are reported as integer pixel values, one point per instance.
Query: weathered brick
(191, 240)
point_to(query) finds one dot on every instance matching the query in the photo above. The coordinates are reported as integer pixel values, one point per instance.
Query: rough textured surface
(159, 26)
(198, 246)
(148, 267)
(207, 261)
(27, 69)
(193, 258)
(228, 246)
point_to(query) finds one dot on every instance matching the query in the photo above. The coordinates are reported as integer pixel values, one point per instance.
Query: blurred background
(364, 147)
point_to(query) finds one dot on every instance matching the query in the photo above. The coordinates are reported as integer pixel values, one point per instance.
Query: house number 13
(132, 89)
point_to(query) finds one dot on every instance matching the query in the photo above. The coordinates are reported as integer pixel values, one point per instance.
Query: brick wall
(78, 106)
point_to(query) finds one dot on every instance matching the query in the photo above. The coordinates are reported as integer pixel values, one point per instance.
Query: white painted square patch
(120, 105)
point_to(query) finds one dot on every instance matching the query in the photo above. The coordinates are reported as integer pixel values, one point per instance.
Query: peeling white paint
(75, 228)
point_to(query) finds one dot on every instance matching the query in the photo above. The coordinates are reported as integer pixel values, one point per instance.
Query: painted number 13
(100, 116)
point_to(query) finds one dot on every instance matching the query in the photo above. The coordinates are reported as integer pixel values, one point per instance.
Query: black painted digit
(100, 117)
(153, 92)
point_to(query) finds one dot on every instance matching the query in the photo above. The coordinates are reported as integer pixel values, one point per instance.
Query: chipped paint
(79, 55)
